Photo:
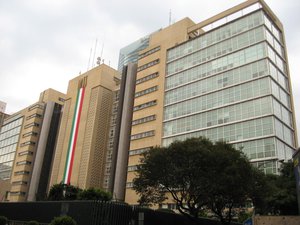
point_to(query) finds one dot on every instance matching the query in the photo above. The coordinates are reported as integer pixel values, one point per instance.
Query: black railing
(92, 213)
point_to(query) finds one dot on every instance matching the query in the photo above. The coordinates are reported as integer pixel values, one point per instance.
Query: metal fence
(92, 213)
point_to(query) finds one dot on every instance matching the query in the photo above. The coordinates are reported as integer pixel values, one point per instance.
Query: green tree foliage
(59, 192)
(33, 222)
(63, 220)
(198, 174)
(3, 220)
(94, 194)
(279, 193)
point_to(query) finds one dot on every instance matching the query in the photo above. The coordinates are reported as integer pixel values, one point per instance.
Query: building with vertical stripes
(80, 154)
(225, 78)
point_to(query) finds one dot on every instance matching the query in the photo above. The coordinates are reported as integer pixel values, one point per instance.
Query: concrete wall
(276, 220)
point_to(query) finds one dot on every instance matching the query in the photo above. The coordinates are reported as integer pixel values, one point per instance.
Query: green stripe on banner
(71, 139)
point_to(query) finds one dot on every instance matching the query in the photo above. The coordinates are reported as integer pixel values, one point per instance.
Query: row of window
(24, 162)
(9, 141)
(146, 91)
(229, 114)
(217, 35)
(27, 143)
(33, 124)
(147, 65)
(151, 51)
(22, 193)
(8, 149)
(25, 153)
(11, 125)
(144, 120)
(146, 78)
(36, 115)
(142, 135)
(265, 148)
(6, 159)
(21, 182)
(36, 106)
(145, 105)
(221, 98)
(22, 172)
(31, 133)
(132, 168)
(10, 133)
(139, 151)
(212, 83)
(220, 65)
(231, 45)
(233, 132)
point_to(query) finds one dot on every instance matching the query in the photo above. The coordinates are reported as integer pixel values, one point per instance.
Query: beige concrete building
(80, 154)
(19, 139)
(147, 117)
(225, 78)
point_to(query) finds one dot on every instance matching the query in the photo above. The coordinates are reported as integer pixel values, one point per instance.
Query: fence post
(141, 218)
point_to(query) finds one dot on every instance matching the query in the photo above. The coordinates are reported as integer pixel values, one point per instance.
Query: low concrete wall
(276, 220)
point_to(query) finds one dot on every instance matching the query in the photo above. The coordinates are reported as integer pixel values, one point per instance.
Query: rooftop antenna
(102, 50)
(170, 17)
(93, 64)
(88, 66)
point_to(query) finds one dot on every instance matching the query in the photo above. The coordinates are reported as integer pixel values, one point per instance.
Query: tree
(280, 195)
(94, 194)
(63, 220)
(3, 220)
(197, 174)
(59, 192)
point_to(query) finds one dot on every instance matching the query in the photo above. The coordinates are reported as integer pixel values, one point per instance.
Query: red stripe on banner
(75, 137)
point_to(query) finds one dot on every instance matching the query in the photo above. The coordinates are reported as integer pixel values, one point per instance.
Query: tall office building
(225, 78)
(21, 139)
(80, 154)
(130, 53)
(2, 106)
(3, 115)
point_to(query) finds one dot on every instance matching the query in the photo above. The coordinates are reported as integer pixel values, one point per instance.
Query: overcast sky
(45, 43)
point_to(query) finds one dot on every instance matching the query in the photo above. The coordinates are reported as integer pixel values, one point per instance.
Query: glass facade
(9, 137)
(231, 84)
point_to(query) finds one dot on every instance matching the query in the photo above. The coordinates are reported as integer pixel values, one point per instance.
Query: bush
(63, 220)
(3, 220)
(33, 222)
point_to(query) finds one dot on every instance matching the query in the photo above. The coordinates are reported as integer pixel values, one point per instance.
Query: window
(142, 135)
(20, 182)
(36, 106)
(129, 184)
(146, 78)
(143, 120)
(147, 65)
(22, 172)
(27, 143)
(31, 125)
(30, 134)
(149, 52)
(140, 151)
(146, 91)
(36, 115)
(145, 105)
(25, 153)
(17, 193)
(25, 162)
(132, 168)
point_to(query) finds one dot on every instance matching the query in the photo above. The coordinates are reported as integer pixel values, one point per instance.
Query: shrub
(3, 220)
(33, 222)
(63, 220)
